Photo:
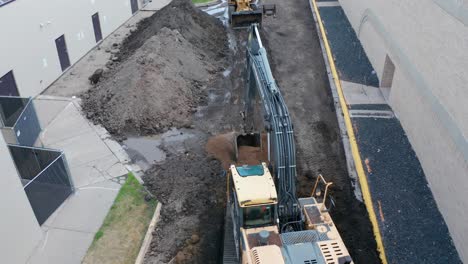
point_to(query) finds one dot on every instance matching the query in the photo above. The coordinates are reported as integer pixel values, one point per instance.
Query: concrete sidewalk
(411, 226)
(98, 167)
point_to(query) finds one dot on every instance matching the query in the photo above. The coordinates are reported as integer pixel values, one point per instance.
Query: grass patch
(124, 228)
(201, 1)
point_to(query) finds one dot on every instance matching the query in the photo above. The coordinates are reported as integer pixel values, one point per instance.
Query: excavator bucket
(244, 19)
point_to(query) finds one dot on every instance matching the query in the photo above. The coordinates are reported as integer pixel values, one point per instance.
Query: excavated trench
(174, 98)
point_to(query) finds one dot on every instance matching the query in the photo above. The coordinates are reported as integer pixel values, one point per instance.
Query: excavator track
(230, 255)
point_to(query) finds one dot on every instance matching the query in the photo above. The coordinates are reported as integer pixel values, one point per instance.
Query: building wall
(29, 29)
(429, 46)
(19, 229)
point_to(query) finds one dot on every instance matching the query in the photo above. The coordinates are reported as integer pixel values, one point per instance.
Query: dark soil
(161, 74)
(191, 184)
(191, 188)
(200, 29)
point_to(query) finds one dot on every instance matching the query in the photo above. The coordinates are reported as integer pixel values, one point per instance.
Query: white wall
(429, 47)
(19, 229)
(30, 50)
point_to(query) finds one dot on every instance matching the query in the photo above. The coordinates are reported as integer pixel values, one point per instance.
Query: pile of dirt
(166, 64)
(202, 30)
(223, 149)
(191, 187)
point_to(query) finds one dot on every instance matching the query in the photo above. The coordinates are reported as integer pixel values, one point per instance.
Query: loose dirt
(223, 148)
(191, 187)
(164, 69)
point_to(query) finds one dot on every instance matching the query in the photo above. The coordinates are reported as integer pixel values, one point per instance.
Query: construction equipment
(243, 13)
(265, 221)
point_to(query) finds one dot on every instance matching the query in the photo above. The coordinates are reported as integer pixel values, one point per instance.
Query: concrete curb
(350, 164)
(149, 235)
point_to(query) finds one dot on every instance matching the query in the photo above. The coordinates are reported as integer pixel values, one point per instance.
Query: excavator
(243, 13)
(265, 222)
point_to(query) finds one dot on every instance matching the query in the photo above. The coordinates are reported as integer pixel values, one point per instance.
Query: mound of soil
(222, 148)
(166, 65)
(202, 30)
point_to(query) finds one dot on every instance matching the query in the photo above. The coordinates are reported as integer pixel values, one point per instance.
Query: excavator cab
(252, 210)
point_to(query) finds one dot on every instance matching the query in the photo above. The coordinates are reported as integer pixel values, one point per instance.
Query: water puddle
(227, 97)
(227, 72)
(146, 151)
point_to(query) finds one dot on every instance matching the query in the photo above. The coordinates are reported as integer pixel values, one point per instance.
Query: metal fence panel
(27, 127)
(31, 161)
(11, 108)
(48, 190)
(20, 115)
(45, 176)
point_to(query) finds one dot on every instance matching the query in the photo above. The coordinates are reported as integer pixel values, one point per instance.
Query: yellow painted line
(352, 140)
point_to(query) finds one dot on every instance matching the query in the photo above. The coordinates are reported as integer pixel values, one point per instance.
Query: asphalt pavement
(411, 226)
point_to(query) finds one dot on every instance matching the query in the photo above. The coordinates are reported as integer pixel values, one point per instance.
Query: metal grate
(300, 237)
(307, 201)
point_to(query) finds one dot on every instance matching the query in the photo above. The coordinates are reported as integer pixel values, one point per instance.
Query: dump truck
(265, 221)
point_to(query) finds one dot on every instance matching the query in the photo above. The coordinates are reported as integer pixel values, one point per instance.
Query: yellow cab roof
(254, 185)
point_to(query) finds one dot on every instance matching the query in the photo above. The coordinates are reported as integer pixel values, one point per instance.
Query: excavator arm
(278, 125)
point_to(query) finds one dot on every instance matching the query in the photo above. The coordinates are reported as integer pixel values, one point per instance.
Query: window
(256, 216)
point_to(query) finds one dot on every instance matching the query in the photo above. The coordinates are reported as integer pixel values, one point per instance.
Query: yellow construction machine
(265, 221)
(243, 13)
(257, 239)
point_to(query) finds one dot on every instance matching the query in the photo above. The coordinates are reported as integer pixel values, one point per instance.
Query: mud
(161, 74)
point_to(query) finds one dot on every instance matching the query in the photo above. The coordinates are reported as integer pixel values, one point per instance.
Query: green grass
(124, 228)
(201, 1)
